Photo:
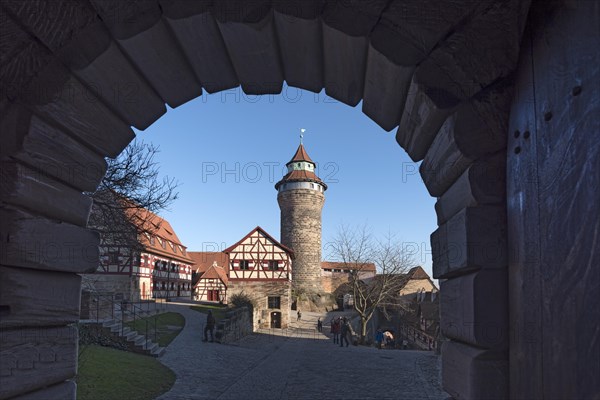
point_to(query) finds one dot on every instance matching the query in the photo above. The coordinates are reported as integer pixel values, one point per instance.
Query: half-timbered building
(155, 264)
(261, 268)
(209, 278)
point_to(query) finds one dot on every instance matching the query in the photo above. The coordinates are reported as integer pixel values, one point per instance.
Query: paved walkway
(306, 365)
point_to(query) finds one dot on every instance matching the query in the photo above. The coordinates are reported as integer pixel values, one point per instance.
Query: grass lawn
(168, 326)
(106, 373)
(218, 311)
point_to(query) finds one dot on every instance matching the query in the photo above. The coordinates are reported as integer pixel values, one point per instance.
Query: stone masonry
(301, 231)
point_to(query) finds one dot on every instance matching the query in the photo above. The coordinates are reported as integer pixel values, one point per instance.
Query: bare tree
(126, 201)
(358, 250)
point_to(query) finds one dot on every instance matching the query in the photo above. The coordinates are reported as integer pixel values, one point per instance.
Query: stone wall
(333, 280)
(236, 324)
(258, 292)
(118, 285)
(301, 231)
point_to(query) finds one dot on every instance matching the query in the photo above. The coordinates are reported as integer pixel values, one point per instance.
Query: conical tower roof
(304, 173)
(301, 155)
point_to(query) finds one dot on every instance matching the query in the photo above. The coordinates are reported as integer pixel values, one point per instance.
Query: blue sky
(229, 149)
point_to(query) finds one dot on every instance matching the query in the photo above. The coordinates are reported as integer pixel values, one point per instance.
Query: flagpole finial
(302, 130)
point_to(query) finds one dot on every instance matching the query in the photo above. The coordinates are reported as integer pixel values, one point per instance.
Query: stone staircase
(138, 341)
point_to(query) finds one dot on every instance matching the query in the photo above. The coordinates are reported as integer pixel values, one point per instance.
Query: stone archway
(76, 75)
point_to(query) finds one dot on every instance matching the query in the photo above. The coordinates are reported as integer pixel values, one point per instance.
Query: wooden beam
(56, 300)
(34, 358)
(35, 242)
(525, 274)
(473, 239)
(48, 148)
(474, 309)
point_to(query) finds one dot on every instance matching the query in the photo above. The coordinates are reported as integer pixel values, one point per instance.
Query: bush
(241, 300)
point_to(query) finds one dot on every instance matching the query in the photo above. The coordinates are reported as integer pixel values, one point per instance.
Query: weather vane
(302, 130)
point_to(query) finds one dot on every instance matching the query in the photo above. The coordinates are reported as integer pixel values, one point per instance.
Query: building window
(273, 265)
(274, 302)
(244, 265)
(113, 257)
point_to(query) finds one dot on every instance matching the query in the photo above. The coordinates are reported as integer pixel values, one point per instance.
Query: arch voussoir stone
(48, 149)
(492, 36)
(253, 48)
(197, 32)
(82, 43)
(301, 47)
(143, 35)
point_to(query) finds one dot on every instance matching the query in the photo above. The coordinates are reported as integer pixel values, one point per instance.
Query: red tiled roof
(301, 155)
(215, 272)
(301, 176)
(417, 273)
(157, 227)
(341, 265)
(205, 259)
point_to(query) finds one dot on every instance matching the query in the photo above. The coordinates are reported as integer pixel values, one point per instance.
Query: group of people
(340, 328)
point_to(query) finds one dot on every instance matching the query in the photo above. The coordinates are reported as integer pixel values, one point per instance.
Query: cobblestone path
(302, 365)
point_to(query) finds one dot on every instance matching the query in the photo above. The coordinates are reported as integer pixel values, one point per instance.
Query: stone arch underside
(76, 75)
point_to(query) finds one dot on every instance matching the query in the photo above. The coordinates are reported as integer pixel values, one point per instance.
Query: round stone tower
(301, 195)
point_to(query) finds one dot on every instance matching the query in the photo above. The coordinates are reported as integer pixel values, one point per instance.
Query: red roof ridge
(258, 228)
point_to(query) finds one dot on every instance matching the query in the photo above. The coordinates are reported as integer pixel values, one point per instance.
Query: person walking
(335, 329)
(299, 315)
(209, 327)
(344, 332)
(319, 325)
(379, 338)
